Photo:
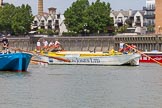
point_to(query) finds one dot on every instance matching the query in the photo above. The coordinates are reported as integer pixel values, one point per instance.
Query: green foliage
(15, 20)
(74, 16)
(41, 31)
(6, 14)
(69, 34)
(47, 32)
(50, 32)
(98, 17)
(82, 17)
(122, 29)
(151, 28)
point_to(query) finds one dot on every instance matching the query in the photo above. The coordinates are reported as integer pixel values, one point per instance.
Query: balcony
(150, 9)
(149, 16)
(34, 24)
(49, 24)
(148, 24)
(138, 21)
(58, 16)
(41, 24)
(119, 21)
(57, 22)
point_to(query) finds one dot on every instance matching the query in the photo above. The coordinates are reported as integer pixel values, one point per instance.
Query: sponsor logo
(86, 60)
(147, 58)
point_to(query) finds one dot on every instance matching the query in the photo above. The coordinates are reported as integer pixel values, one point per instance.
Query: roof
(116, 13)
(129, 13)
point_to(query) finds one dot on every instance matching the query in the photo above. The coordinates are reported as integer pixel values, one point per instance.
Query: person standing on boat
(58, 45)
(121, 46)
(38, 47)
(51, 44)
(133, 48)
(5, 44)
(130, 49)
(45, 44)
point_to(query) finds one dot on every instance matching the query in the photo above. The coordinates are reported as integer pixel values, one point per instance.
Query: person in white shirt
(45, 44)
(51, 44)
(121, 46)
(38, 47)
(58, 45)
(57, 42)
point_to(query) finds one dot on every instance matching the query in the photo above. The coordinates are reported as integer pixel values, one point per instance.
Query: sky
(62, 5)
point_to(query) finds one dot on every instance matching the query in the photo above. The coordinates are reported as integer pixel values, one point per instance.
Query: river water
(81, 86)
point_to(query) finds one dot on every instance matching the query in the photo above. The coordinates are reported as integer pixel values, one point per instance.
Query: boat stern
(135, 59)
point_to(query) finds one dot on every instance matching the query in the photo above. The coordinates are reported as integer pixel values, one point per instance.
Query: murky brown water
(73, 86)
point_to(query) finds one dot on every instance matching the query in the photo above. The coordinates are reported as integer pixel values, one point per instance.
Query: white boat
(90, 58)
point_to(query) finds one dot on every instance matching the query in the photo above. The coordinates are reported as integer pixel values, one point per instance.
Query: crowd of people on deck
(43, 44)
(123, 48)
(46, 46)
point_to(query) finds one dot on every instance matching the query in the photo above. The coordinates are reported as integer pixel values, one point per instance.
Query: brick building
(1, 2)
(158, 16)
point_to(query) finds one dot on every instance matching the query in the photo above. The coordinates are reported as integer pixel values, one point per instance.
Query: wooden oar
(57, 58)
(144, 54)
(39, 61)
(21, 50)
(54, 57)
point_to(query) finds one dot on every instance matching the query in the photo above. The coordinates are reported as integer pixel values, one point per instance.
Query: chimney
(52, 11)
(40, 7)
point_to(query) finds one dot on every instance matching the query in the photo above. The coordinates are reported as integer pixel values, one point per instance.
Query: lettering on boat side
(146, 58)
(50, 60)
(86, 60)
(158, 58)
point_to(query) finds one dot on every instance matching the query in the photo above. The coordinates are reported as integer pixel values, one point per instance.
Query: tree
(74, 16)
(22, 19)
(98, 17)
(122, 29)
(6, 14)
(15, 20)
(82, 17)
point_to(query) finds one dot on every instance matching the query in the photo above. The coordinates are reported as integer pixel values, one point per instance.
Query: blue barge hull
(15, 61)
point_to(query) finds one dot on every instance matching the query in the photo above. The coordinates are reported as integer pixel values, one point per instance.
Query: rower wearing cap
(5, 44)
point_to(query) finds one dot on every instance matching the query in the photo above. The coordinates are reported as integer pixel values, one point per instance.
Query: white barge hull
(75, 59)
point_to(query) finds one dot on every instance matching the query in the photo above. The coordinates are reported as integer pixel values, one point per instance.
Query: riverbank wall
(92, 43)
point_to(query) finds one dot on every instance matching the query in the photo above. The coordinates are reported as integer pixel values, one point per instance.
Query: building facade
(49, 21)
(138, 18)
(121, 17)
(145, 17)
(149, 13)
(133, 18)
(158, 17)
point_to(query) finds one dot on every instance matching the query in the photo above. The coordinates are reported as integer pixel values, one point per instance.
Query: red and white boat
(151, 57)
